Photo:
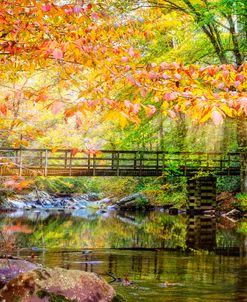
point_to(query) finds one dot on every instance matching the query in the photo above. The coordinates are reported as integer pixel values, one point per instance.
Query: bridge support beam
(202, 194)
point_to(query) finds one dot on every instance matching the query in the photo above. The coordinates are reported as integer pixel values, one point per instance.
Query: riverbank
(227, 204)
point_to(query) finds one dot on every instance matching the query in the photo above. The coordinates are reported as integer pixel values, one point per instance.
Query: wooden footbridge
(201, 189)
(44, 162)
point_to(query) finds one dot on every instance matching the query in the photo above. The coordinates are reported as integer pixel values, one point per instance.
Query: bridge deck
(43, 162)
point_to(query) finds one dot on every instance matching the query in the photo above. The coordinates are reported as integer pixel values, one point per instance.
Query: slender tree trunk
(234, 35)
(181, 133)
(242, 143)
(161, 132)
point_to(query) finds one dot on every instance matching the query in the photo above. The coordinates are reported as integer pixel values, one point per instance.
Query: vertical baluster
(94, 165)
(70, 163)
(141, 163)
(46, 162)
(40, 159)
(117, 163)
(112, 160)
(163, 160)
(88, 163)
(157, 162)
(135, 160)
(65, 159)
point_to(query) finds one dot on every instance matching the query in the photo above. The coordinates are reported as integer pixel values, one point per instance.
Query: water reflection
(191, 277)
(120, 230)
(151, 249)
(201, 232)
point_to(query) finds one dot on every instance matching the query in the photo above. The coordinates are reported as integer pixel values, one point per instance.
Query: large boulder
(60, 285)
(12, 267)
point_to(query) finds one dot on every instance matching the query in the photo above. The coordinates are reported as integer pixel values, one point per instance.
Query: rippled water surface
(164, 258)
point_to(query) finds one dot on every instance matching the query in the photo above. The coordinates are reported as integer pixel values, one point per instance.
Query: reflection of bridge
(43, 162)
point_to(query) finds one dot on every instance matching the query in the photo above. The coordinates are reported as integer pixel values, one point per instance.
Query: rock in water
(11, 268)
(130, 198)
(45, 284)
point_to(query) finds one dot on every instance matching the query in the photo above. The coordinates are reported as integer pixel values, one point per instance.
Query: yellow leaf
(227, 110)
(122, 121)
(54, 149)
(206, 117)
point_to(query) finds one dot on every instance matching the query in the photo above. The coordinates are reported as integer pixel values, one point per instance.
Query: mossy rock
(57, 285)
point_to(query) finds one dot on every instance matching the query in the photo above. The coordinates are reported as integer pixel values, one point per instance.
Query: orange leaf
(3, 109)
(150, 110)
(74, 151)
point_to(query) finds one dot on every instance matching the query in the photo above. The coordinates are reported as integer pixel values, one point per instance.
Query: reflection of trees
(170, 229)
(241, 292)
(76, 232)
(226, 236)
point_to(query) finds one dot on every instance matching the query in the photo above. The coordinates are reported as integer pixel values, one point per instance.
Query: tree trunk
(242, 143)
(181, 133)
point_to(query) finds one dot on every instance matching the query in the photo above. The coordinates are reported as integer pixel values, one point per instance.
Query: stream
(162, 257)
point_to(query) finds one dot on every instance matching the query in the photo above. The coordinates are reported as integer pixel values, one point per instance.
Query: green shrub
(241, 202)
(227, 184)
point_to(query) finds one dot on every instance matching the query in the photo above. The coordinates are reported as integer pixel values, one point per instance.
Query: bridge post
(202, 193)
(46, 162)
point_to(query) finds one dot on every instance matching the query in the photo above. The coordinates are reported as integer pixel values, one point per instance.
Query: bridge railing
(69, 162)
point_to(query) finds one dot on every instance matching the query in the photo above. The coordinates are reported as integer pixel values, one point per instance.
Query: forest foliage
(130, 75)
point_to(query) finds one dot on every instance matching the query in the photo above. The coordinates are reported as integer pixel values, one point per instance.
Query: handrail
(64, 162)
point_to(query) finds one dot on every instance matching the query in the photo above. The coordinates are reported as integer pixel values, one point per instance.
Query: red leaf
(240, 77)
(125, 59)
(127, 68)
(56, 107)
(131, 52)
(225, 74)
(211, 71)
(150, 110)
(3, 109)
(177, 76)
(95, 16)
(172, 114)
(131, 79)
(217, 118)
(74, 151)
(57, 53)
(78, 121)
(46, 8)
(170, 96)
(77, 9)
(89, 6)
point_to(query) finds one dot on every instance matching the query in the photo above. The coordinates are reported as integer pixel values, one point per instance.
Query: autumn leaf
(57, 53)
(150, 110)
(74, 151)
(78, 121)
(3, 109)
(217, 118)
(56, 107)
(46, 8)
